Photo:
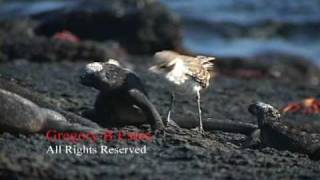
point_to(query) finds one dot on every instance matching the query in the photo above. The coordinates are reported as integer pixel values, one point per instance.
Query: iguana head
(265, 113)
(103, 76)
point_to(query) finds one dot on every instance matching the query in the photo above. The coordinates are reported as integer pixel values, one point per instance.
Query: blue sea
(232, 28)
(244, 28)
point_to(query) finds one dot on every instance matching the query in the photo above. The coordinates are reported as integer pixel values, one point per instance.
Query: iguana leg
(151, 112)
(253, 141)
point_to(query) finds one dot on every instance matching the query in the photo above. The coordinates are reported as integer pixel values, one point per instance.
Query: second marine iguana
(273, 132)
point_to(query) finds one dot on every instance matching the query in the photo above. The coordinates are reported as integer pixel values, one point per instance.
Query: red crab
(307, 106)
(66, 35)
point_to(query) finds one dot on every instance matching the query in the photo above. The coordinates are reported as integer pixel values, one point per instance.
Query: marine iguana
(274, 132)
(20, 115)
(12, 86)
(35, 112)
(123, 100)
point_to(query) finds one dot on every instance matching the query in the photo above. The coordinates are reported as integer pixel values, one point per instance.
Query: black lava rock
(142, 26)
(17, 41)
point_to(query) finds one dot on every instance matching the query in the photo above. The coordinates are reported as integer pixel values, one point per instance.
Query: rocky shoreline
(51, 67)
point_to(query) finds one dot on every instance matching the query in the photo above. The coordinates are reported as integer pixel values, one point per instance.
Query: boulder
(141, 26)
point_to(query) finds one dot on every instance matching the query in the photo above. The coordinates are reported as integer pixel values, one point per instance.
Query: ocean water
(244, 28)
(227, 28)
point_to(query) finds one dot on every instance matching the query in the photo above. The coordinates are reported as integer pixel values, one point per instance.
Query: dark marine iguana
(20, 115)
(11, 85)
(273, 132)
(123, 100)
(24, 111)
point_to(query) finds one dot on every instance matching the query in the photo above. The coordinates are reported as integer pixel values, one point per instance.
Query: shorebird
(185, 73)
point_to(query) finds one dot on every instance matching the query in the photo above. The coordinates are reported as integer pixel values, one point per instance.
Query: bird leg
(199, 112)
(170, 110)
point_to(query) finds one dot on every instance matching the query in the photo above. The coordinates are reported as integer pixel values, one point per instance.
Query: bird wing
(200, 68)
(207, 62)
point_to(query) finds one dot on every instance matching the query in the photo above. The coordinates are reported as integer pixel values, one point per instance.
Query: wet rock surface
(214, 155)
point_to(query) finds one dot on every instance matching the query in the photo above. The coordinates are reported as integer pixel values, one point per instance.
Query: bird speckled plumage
(186, 73)
(199, 68)
(202, 70)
